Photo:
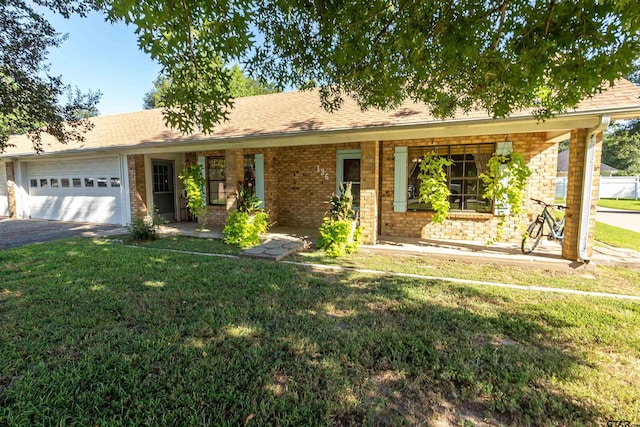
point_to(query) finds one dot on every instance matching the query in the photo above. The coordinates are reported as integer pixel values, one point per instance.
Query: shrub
(338, 237)
(244, 229)
(145, 228)
(338, 232)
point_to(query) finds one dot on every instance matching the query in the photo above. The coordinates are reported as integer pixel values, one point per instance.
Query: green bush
(244, 229)
(143, 228)
(335, 237)
(337, 234)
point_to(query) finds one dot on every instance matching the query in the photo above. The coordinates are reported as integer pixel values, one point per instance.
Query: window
(33, 183)
(115, 182)
(351, 173)
(162, 177)
(216, 180)
(88, 182)
(44, 182)
(64, 182)
(102, 182)
(469, 161)
(77, 182)
(250, 172)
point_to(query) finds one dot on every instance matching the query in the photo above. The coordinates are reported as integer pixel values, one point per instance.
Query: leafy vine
(194, 185)
(433, 185)
(504, 182)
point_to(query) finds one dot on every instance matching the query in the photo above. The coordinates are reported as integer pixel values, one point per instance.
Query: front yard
(97, 333)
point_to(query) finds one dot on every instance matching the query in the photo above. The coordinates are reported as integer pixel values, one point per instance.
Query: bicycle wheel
(531, 240)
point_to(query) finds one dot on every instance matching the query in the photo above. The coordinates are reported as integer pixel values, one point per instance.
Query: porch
(283, 241)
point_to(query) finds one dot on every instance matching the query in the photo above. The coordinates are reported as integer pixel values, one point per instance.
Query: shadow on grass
(110, 335)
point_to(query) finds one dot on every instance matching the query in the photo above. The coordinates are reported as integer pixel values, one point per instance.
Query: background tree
(153, 98)
(621, 147)
(501, 56)
(621, 143)
(30, 98)
(240, 86)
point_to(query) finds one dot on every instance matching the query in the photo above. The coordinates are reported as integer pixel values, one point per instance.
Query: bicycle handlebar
(540, 202)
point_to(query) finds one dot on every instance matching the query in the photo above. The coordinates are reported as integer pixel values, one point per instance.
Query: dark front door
(164, 189)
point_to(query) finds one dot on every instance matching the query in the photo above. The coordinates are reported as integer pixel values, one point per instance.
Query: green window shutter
(501, 207)
(203, 170)
(400, 180)
(259, 162)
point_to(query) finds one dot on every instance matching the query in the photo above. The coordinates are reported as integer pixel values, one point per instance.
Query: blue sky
(105, 57)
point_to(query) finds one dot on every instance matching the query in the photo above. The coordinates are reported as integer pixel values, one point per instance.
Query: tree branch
(503, 13)
(548, 22)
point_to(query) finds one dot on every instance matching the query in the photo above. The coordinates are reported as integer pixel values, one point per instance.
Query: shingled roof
(563, 163)
(287, 113)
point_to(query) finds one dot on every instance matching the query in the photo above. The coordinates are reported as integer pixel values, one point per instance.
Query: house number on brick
(322, 172)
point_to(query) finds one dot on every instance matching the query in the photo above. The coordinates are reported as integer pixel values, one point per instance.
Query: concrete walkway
(283, 241)
(277, 244)
(547, 254)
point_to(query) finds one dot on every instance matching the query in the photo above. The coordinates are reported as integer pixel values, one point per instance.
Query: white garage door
(79, 190)
(4, 198)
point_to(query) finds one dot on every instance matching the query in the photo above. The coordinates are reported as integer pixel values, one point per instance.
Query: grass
(190, 244)
(95, 333)
(623, 204)
(618, 237)
(604, 279)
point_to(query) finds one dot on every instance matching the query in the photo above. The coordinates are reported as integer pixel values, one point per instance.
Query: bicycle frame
(556, 228)
(535, 231)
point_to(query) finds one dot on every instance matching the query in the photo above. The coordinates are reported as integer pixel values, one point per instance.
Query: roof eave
(446, 128)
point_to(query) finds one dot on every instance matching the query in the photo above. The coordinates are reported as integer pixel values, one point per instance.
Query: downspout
(587, 187)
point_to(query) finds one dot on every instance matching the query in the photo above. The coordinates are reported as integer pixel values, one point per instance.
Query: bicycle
(535, 231)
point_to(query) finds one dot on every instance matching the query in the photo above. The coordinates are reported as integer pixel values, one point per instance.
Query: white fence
(611, 187)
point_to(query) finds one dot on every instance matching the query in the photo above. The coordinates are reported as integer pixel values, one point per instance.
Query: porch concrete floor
(547, 254)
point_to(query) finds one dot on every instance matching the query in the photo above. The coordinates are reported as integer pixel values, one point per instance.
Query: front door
(348, 170)
(164, 189)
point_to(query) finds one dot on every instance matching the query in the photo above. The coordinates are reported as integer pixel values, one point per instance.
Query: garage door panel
(79, 190)
(64, 168)
(103, 209)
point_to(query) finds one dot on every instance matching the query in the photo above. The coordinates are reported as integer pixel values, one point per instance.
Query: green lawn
(97, 333)
(624, 204)
(616, 236)
(190, 244)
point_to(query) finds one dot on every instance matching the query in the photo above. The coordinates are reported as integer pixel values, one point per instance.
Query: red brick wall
(11, 190)
(296, 193)
(539, 155)
(137, 185)
(302, 191)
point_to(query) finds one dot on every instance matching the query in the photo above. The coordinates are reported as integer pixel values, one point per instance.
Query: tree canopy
(500, 56)
(31, 100)
(240, 86)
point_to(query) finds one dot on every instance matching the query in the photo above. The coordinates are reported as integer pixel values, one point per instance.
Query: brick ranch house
(296, 154)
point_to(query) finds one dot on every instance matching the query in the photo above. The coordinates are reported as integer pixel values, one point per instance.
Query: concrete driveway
(20, 232)
(629, 220)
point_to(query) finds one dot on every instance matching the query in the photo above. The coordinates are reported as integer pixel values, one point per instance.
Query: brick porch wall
(302, 191)
(11, 190)
(369, 173)
(137, 186)
(539, 155)
(577, 153)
